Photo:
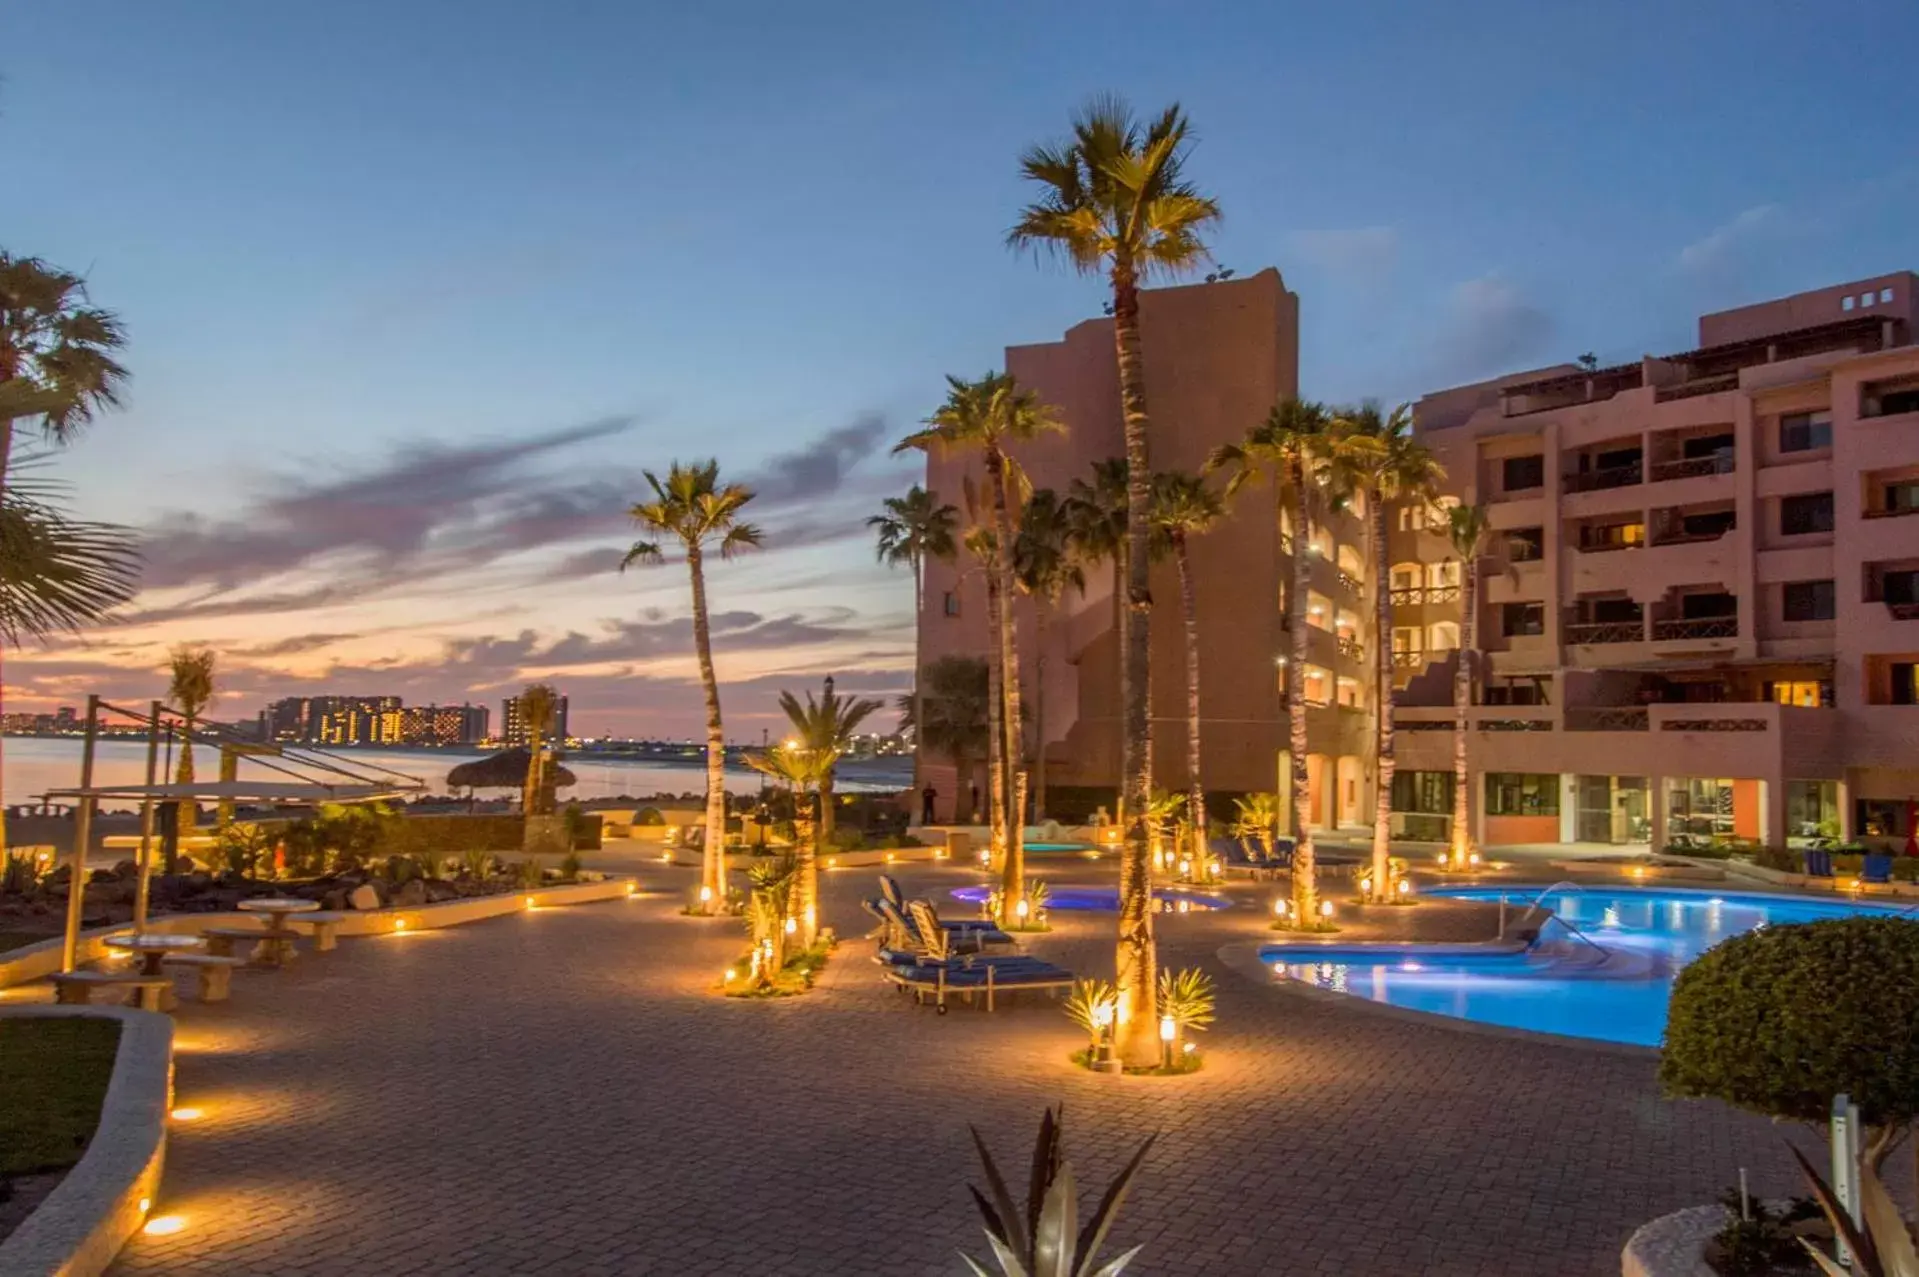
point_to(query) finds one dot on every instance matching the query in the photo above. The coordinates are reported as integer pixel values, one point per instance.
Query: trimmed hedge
(1780, 1020)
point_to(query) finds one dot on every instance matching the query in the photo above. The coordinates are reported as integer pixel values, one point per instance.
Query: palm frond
(57, 574)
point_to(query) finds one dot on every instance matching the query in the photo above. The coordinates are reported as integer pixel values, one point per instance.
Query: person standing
(928, 797)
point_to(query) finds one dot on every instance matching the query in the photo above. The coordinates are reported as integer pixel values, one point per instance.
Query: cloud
(1362, 253)
(1721, 247)
(822, 466)
(292, 646)
(1490, 328)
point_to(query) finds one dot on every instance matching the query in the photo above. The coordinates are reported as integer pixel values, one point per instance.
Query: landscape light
(1279, 908)
(1103, 1015)
(1325, 908)
(399, 924)
(1405, 887)
(1022, 909)
(706, 895)
(792, 925)
(186, 1115)
(1168, 1028)
(164, 1225)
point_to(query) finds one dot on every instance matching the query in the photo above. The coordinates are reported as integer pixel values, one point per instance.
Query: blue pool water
(1057, 846)
(1616, 991)
(1104, 899)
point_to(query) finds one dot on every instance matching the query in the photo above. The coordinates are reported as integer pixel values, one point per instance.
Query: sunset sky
(414, 291)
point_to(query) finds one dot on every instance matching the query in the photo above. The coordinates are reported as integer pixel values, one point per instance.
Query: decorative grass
(56, 1072)
(793, 979)
(1310, 929)
(1183, 1062)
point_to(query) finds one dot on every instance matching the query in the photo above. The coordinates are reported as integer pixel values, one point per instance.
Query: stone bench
(270, 948)
(326, 928)
(75, 988)
(215, 973)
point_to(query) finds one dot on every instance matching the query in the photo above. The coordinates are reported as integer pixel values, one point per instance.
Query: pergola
(297, 776)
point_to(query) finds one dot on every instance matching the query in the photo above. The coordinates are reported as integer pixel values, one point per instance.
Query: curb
(81, 1226)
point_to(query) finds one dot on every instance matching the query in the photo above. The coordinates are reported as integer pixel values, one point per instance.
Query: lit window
(1845, 303)
(1406, 577)
(1349, 693)
(1801, 694)
(1885, 294)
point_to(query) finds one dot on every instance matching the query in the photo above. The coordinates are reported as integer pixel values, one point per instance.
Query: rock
(199, 880)
(101, 875)
(438, 890)
(126, 869)
(363, 897)
(411, 895)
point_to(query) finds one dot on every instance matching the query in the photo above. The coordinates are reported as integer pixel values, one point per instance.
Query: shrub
(1701, 850)
(570, 865)
(1186, 998)
(477, 865)
(531, 874)
(648, 816)
(1762, 1243)
(847, 839)
(1780, 1020)
(1783, 859)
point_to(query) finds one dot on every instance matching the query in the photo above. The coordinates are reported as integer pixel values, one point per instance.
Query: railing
(1689, 538)
(1350, 581)
(1602, 547)
(1419, 826)
(1890, 512)
(1606, 632)
(1599, 480)
(1353, 648)
(1697, 386)
(1693, 467)
(1713, 725)
(1704, 627)
(1598, 719)
(1423, 725)
(1414, 595)
(1515, 724)
(1408, 660)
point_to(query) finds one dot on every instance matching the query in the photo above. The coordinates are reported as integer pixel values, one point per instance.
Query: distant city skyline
(404, 329)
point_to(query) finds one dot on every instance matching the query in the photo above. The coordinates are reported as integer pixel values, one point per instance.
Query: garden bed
(56, 1072)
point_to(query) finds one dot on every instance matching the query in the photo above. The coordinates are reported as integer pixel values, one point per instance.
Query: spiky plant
(1186, 997)
(1882, 1248)
(1044, 1241)
(1088, 1003)
(1258, 819)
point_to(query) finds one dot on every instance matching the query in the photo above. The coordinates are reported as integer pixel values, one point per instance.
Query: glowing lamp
(185, 1115)
(1279, 908)
(1473, 859)
(727, 975)
(1185, 868)
(146, 1204)
(1168, 1028)
(1404, 887)
(985, 856)
(1103, 1015)
(706, 895)
(832, 862)
(399, 924)
(1366, 886)
(1442, 860)
(164, 1225)
(1190, 1048)
(1022, 909)
(1325, 908)
(792, 925)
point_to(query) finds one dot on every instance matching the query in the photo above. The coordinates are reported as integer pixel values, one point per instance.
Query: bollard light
(1022, 909)
(1405, 887)
(1325, 908)
(792, 925)
(1279, 908)
(706, 895)
(1168, 1028)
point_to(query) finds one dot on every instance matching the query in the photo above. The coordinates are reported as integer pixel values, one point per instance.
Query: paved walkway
(559, 1092)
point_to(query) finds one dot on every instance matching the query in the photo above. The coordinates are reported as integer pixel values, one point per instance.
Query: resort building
(1701, 613)
(513, 723)
(1218, 356)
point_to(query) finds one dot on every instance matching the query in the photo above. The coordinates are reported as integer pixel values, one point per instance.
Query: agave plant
(1883, 1248)
(1090, 1005)
(1186, 998)
(1044, 1241)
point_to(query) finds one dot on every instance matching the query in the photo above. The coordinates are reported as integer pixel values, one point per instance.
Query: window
(1804, 513)
(1318, 686)
(1612, 536)
(1802, 693)
(1897, 401)
(1521, 473)
(1443, 574)
(1430, 792)
(1879, 817)
(1865, 299)
(1522, 619)
(1522, 794)
(1349, 693)
(1412, 517)
(1809, 601)
(1885, 294)
(1805, 431)
(1524, 545)
(1707, 607)
(1900, 587)
(1406, 638)
(1901, 496)
(1406, 576)
(1905, 683)
(1443, 636)
(950, 604)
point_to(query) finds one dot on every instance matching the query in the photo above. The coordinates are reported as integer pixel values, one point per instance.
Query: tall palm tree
(823, 731)
(989, 416)
(1046, 564)
(955, 709)
(190, 691)
(808, 773)
(57, 573)
(1472, 536)
(1114, 201)
(1096, 512)
(57, 364)
(539, 710)
(913, 529)
(1399, 469)
(1301, 449)
(1184, 507)
(693, 507)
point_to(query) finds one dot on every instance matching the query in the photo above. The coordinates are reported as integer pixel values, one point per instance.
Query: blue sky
(415, 288)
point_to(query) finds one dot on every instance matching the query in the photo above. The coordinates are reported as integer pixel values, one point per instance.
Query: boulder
(126, 869)
(363, 897)
(438, 889)
(411, 895)
(199, 880)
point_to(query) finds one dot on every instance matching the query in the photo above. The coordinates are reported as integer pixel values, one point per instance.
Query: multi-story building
(1701, 611)
(443, 724)
(513, 724)
(1218, 356)
(333, 720)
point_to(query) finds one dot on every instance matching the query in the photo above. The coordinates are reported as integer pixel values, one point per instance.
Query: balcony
(1600, 480)
(1891, 512)
(1691, 527)
(1697, 386)
(1705, 627)
(1591, 632)
(1351, 648)
(1408, 660)
(1606, 718)
(1693, 467)
(1413, 596)
(1351, 582)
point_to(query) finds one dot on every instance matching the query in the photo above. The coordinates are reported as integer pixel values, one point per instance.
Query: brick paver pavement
(560, 1092)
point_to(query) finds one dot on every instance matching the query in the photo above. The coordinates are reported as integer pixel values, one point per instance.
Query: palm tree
(190, 691)
(915, 528)
(1184, 507)
(695, 508)
(1096, 513)
(57, 352)
(1046, 564)
(823, 732)
(539, 709)
(955, 709)
(805, 772)
(1472, 535)
(989, 415)
(1400, 469)
(57, 573)
(1114, 200)
(1301, 449)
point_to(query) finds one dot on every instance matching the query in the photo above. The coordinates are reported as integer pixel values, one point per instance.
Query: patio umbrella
(504, 770)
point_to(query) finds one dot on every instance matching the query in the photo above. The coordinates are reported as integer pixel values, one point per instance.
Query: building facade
(1218, 356)
(513, 724)
(370, 720)
(1701, 612)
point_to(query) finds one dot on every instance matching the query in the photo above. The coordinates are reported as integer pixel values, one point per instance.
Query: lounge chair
(987, 975)
(1236, 855)
(890, 892)
(1876, 867)
(1818, 862)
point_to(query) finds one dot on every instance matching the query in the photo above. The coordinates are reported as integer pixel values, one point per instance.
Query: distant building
(443, 724)
(333, 720)
(513, 727)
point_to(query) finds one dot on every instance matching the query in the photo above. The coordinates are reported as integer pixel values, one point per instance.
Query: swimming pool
(1608, 976)
(1105, 899)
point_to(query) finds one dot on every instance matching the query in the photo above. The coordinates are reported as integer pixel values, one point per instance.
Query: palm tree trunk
(1305, 869)
(919, 681)
(530, 794)
(1189, 605)
(806, 866)
(713, 854)
(995, 723)
(1013, 870)
(1041, 611)
(1138, 1019)
(188, 812)
(1462, 698)
(1383, 766)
